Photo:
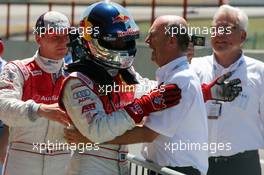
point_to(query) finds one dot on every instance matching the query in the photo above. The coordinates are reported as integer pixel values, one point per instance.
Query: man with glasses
(240, 122)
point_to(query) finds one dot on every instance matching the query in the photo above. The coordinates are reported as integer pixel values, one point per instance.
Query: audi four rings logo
(81, 94)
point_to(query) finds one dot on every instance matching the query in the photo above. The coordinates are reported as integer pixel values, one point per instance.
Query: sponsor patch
(129, 32)
(36, 72)
(38, 98)
(88, 107)
(81, 94)
(85, 99)
(136, 109)
(120, 18)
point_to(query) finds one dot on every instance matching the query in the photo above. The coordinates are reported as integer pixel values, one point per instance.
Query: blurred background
(17, 19)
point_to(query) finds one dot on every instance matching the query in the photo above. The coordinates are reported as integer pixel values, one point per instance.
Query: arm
(88, 115)
(136, 135)
(14, 111)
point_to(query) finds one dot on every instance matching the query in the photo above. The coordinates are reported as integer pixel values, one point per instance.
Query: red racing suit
(32, 138)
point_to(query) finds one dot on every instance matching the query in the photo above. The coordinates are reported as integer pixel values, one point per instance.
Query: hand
(222, 89)
(164, 97)
(53, 112)
(74, 136)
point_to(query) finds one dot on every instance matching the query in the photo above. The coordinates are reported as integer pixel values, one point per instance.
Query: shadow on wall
(21, 49)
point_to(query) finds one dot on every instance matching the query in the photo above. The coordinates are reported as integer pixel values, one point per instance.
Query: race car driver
(88, 94)
(29, 90)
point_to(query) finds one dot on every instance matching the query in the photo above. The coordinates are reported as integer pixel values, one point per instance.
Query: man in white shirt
(240, 122)
(183, 124)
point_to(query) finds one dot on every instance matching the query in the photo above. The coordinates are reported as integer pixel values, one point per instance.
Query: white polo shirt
(241, 121)
(182, 128)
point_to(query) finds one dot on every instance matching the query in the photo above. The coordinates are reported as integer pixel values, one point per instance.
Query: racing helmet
(109, 33)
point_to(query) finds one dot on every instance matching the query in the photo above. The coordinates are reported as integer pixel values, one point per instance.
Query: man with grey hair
(240, 122)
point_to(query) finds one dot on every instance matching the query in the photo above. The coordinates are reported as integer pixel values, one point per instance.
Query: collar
(48, 65)
(164, 71)
(232, 68)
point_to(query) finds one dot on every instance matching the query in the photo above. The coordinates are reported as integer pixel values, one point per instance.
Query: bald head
(168, 20)
(168, 37)
(174, 26)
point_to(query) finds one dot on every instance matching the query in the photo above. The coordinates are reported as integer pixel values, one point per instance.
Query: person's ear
(243, 36)
(38, 38)
(172, 42)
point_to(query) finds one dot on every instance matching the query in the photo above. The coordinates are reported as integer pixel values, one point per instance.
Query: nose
(147, 40)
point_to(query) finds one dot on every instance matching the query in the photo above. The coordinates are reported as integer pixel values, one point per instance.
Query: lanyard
(182, 63)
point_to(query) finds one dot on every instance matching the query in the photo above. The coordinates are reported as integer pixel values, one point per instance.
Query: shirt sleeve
(168, 121)
(88, 115)
(144, 86)
(14, 111)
